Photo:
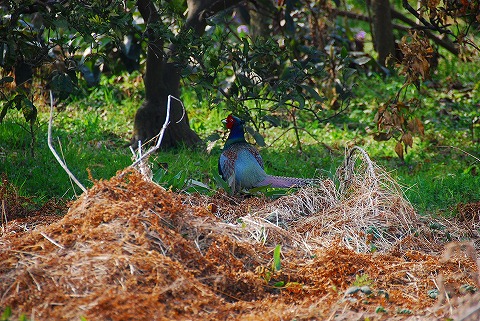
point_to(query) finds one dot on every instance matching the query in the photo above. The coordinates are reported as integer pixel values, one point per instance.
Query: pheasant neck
(237, 135)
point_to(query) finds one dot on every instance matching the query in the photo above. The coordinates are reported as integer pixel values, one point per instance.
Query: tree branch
(445, 43)
(200, 10)
(428, 25)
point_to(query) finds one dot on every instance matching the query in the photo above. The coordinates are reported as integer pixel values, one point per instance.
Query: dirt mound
(127, 249)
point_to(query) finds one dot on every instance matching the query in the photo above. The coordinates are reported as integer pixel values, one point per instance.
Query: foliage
(278, 76)
(362, 280)
(268, 274)
(7, 314)
(441, 14)
(50, 45)
(67, 45)
(297, 68)
(419, 59)
(277, 260)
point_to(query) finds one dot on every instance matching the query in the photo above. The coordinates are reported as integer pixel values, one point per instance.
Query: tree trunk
(161, 80)
(383, 30)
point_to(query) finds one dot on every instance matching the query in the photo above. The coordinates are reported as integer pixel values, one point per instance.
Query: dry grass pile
(128, 250)
(363, 209)
(19, 213)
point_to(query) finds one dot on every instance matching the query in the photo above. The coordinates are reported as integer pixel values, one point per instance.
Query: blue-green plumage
(241, 165)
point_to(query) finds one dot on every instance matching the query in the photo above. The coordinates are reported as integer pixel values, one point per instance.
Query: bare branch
(445, 43)
(159, 137)
(52, 149)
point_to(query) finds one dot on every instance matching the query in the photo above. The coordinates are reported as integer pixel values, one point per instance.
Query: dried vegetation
(128, 249)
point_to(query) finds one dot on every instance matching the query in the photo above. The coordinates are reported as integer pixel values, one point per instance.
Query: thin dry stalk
(54, 152)
(159, 136)
(52, 240)
(4, 217)
(63, 158)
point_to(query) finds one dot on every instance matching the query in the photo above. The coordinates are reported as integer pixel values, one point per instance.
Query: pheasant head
(237, 132)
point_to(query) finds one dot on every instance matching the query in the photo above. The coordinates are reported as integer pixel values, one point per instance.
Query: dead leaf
(419, 127)
(399, 150)
(407, 139)
(382, 137)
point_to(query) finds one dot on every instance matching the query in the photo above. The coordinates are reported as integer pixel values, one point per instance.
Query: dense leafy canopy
(268, 61)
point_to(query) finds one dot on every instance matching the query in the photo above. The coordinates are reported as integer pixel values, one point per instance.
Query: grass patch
(92, 132)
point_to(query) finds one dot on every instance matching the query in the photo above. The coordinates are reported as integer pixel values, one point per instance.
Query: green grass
(92, 133)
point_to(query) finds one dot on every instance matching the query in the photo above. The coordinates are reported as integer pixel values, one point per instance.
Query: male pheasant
(241, 165)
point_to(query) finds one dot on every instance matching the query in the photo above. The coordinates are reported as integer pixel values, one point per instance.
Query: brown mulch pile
(128, 249)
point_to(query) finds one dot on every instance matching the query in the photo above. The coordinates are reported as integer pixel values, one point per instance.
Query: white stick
(4, 217)
(466, 153)
(64, 166)
(52, 240)
(160, 134)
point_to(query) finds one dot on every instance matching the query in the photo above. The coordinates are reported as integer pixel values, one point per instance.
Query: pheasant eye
(230, 121)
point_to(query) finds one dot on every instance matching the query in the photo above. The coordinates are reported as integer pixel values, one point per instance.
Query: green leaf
(246, 48)
(7, 313)
(259, 139)
(362, 60)
(301, 101)
(347, 73)
(312, 92)
(6, 79)
(213, 137)
(277, 264)
(273, 120)
(29, 110)
(380, 309)
(220, 182)
(60, 23)
(5, 108)
(256, 135)
(259, 189)
(279, 284)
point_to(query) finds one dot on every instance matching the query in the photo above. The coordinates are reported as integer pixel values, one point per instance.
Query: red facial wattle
(230, 121)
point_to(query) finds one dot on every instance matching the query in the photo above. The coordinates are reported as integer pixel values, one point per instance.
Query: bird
(241, 165)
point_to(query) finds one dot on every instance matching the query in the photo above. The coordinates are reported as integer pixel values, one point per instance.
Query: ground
(129, 249)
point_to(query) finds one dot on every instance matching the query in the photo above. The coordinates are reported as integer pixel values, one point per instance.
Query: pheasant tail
(286, 182)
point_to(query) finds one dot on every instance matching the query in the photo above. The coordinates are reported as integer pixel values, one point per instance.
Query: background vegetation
(306, 100)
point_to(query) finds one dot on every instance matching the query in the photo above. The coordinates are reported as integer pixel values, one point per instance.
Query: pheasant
(241, 165)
